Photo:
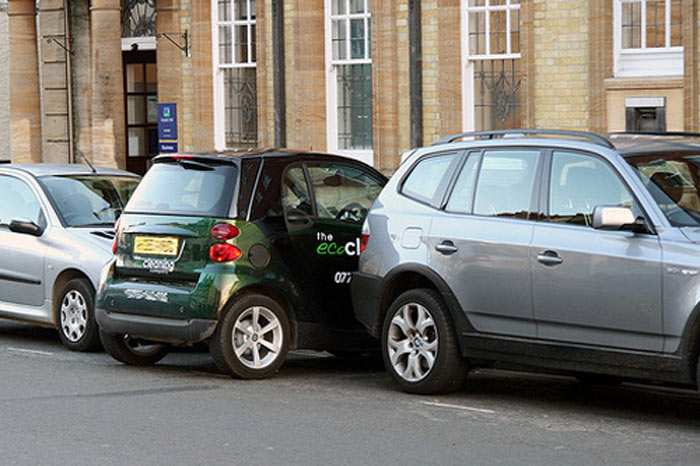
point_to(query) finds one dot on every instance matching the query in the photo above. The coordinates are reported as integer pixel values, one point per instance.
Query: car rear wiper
(193, 165)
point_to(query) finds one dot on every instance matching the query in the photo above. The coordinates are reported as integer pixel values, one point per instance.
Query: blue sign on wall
(167, 121)
(167, 147)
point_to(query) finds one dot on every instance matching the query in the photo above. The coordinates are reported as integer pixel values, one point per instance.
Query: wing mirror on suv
(22, 225)
(617, 218)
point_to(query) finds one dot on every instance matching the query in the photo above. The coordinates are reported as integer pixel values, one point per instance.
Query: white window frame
(645, 61)
(218, 69)
(364, 155)
(468, 59)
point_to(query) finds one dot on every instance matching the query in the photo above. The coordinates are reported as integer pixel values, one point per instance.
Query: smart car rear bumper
(161, 329)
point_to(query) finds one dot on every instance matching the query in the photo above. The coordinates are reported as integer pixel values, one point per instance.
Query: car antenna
(88, 163)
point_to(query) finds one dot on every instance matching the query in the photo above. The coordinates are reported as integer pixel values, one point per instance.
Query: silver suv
(566, 251)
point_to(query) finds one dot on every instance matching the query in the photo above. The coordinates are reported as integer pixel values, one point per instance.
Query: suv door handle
(549, 258)
(447, 247)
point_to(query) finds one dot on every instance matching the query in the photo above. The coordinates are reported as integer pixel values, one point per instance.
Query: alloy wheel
(257, 337)
(412, 342)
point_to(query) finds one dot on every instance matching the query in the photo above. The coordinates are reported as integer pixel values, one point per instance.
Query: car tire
(252, 338)
(429, 360)
(133, 351)
(75, 316)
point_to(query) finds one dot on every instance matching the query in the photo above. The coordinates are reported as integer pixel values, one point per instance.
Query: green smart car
(250, 251)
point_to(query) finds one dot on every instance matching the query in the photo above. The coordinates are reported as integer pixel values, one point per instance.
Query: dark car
(250, 251)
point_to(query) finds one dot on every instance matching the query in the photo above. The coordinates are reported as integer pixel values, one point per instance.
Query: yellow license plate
(156, 245)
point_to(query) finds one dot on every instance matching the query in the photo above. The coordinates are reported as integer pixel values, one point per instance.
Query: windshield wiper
(93, 225)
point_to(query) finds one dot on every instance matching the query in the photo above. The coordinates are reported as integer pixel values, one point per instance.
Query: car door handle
(446, 247)
(549, 258)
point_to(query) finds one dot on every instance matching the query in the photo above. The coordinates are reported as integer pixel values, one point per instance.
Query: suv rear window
(178, 189)
(425, 177)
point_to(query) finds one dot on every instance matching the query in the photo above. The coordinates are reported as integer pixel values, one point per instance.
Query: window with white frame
(235, 74)
(491, 77)
(349, 77)
(648, 38)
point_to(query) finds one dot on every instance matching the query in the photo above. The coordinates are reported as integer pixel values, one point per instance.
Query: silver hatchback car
(56, 235)
(560, 250)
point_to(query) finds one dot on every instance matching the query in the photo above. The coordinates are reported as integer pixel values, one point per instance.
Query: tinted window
(89, 200)
(18, 202)
(505, 183)
(580, 183)
(174, 189)
(343, 192)
(423, 181)
(463, 191)
(673, 180)
(295, 194)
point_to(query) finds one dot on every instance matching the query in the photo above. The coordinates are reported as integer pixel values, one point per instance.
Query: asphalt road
(63, 408)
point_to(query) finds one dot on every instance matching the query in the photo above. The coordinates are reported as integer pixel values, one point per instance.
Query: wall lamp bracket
(183, 43)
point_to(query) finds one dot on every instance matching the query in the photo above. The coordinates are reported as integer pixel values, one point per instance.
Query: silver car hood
(101, 238)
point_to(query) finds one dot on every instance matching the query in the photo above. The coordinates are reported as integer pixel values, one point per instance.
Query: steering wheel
(350, 211)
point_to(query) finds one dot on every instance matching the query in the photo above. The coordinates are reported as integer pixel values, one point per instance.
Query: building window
(138, 25)
(236, 80)
(491, 74)
(138, 18)
(349, 78)
(648, 38)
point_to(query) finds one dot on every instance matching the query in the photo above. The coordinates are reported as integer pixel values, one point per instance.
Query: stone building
(4, 82)
(366, 78)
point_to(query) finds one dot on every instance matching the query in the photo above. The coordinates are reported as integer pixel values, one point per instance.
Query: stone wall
(4, 81)
(561, 66)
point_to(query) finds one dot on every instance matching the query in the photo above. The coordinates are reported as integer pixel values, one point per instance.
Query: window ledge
(644, 83)
(649, 62)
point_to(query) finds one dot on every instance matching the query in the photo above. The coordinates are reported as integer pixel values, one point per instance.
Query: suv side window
(463, 192)
(426, 176)
(579, 183)
(506, 179)
(295, 192)
(18, 201)
(342, 192)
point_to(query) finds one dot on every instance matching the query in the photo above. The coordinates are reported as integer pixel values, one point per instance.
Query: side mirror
(27, 227)
(613, 218)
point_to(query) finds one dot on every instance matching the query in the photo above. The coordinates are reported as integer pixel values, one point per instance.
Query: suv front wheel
(419, 346)
(252, 338)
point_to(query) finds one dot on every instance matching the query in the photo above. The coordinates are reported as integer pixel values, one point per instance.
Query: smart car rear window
(184, 189)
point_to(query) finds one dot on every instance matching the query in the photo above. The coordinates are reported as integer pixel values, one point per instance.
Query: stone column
(25, 107)
(108, 120)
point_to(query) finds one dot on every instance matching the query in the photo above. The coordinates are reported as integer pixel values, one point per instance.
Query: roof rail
(657, 133)
(592, 137)
(5, 161)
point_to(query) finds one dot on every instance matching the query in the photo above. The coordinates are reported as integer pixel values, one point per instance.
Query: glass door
(141, 94)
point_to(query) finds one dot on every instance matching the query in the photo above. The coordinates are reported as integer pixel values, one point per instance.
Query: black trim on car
(10, 277)
(576, 358)
(160, 329)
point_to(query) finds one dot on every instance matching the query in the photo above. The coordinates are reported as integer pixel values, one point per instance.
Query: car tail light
(364, 238)
(116, 236)
(224, 252)
(224, 231)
